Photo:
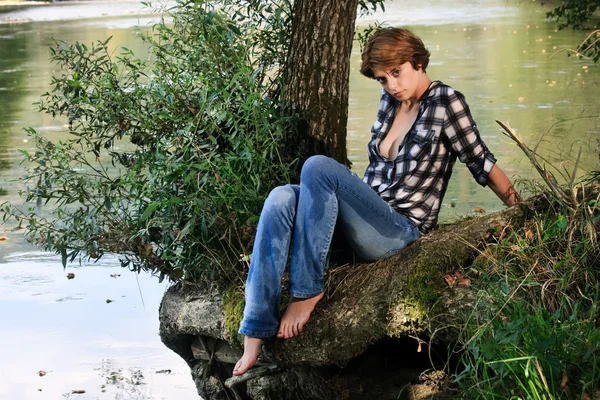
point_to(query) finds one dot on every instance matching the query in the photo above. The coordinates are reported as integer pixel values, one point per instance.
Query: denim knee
(317, 165)
(281, 199)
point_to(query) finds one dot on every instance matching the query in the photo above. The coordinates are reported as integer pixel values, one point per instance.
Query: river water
(499, 53)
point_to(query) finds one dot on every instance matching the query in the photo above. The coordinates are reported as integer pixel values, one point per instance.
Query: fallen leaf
(450, 280)
(564, 381)
(501, 230)
(109, 301)
(78, 391)
(479, 210)
(465, 282)
(585, 396)
(529, 234)
(41, 373)
(115, 275)
(456, 278)
(521, 99)
(70, 275)
(2, 238)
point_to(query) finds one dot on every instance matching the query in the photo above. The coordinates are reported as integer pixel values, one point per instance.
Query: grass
(541, 340)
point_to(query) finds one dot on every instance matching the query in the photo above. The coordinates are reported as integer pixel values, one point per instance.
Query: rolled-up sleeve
(464, 138)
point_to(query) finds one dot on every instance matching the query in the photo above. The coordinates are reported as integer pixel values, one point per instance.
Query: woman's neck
(423, 85)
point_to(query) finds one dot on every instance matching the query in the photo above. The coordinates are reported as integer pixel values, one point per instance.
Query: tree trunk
(317, 71)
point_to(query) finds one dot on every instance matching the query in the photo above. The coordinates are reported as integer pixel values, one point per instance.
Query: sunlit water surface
(94, 332)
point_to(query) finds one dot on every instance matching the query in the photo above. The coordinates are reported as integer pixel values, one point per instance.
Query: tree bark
(317, 70)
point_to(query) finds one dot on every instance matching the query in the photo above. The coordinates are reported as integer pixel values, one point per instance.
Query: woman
(422, 126)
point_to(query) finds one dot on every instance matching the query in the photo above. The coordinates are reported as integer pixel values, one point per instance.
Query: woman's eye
(381, 80)
(396, 72)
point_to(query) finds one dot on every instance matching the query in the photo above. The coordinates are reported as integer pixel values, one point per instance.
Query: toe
(295, 329)
(283, 330)
(236, 369)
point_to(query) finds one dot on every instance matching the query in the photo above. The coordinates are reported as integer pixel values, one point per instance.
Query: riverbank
(4, 3)
(15, 11)
(7, 3)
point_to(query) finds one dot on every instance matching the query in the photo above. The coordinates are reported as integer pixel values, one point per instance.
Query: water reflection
(66, 328)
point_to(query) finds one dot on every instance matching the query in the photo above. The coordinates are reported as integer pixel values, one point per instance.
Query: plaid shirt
(415, 182)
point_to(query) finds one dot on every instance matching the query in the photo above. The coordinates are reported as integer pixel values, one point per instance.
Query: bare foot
(251, 347)
(296, 316)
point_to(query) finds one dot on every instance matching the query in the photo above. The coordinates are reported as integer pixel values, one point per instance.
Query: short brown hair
(390, 47)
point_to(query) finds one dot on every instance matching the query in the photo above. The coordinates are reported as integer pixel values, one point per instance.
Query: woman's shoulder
(443, 95)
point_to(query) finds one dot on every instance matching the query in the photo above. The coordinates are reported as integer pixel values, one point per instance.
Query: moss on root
(403, 319)
(422, 287)
(233, 308)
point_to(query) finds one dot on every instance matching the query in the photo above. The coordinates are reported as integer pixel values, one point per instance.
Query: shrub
(169, 159)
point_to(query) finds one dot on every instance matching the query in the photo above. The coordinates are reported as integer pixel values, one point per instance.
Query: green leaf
(149, 210)
(107, 203)
(63, 255)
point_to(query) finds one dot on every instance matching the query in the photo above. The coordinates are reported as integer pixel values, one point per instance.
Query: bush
(574, 13)
(577, 14)
(170, 159)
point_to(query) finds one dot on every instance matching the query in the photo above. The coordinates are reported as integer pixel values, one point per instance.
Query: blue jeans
(305, 216)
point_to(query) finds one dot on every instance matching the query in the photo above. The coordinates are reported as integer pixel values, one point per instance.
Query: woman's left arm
(499, 183)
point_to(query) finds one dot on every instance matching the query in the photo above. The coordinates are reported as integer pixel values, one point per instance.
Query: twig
(564, 197)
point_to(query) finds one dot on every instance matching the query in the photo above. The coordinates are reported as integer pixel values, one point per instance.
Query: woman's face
(400, 81)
